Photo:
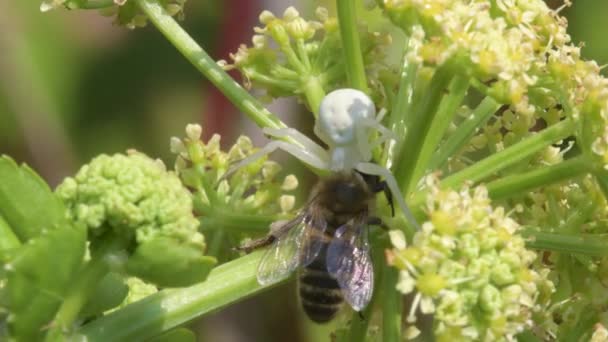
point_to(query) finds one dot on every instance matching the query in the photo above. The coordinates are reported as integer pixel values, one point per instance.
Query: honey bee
(327, 242)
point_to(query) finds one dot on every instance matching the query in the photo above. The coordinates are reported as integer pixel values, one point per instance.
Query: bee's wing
(297, 243)
(349, 261)
(282, 257)
(313, 237)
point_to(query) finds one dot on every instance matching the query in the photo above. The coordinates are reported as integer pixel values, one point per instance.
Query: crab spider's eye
(338, 114)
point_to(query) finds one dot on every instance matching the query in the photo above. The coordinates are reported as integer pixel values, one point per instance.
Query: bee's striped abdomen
(320, 293)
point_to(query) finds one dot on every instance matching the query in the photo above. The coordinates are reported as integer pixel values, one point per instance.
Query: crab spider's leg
(301, 153)
(300, 138)
(385, 133)
(380, 115)
(375, 169)
(363, 145)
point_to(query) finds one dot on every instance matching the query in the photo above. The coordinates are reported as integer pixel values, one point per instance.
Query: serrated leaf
(167, 263)
(9, 242)
(37, 278)
(110, 292)
(26, 202)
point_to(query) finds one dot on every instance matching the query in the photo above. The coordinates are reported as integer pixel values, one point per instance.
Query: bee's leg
(391, 183)
(376, 221)
(377, 185)
(361, 317)
(389, 196)
(256, 244)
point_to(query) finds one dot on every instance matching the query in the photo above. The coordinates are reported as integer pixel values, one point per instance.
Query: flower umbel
(307, 59)
(469, 268)
(247, 200)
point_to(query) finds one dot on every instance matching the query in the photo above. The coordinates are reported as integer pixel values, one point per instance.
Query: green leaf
(26, 202)
(175, 335)
(110, 292)
(168, 263)
(8, 241)
(37, 278)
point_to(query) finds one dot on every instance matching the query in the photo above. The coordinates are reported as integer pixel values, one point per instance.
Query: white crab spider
(346, 117)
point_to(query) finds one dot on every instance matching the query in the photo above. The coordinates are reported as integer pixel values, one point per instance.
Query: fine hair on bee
(327, 242)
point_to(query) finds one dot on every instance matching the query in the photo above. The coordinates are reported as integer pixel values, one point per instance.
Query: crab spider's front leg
(301, 153)
(377, 170)
(298, 137)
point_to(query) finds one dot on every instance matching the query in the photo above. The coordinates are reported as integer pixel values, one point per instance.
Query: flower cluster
(519, 53)
(502, 42)
(308, 55)
(469, 268)
(132, 193)
(252, 190)
(126, 12)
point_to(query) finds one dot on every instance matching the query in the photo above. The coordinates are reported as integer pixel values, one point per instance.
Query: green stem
(236, 223)
(314, 92)
(418, 129)
(441, 121)
(162, 311)
(601, 177)
(591, 245)
(464, 132)
(83, 288)
(392, 307)
(516, 184)
(355, 69)
(401, 108)
(207, 66)
(510, 156)
(88, 5)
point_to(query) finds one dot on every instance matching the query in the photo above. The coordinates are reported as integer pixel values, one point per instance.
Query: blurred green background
(72, 86)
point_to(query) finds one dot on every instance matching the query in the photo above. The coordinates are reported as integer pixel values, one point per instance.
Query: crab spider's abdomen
(339, 113)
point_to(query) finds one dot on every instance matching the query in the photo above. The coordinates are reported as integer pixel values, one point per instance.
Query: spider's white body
(346, 119)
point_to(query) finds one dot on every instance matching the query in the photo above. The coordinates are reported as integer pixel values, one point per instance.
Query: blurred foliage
(68, 94)
(83, 92)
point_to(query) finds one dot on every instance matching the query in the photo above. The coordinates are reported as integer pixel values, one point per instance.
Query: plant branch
(590, 245)
(464, 132)
(392, 307)
(355, 69)
(401, 108)
(162, 311)
(510, 156)
(207, 66)
(417, 131)
(518, 183)
(441, 121)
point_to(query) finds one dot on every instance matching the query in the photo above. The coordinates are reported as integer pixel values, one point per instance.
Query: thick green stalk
(392, 307)
(90, 4)
(162, 311)
(399, 113)
(601, 176)
(355, 69)
(81, 291)
(207, 66)
(589, 244)
(516, 184)
(235, 223)
(314, 92)
(464, 132)
(417, 131)
(441, 122)
(510, 156)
